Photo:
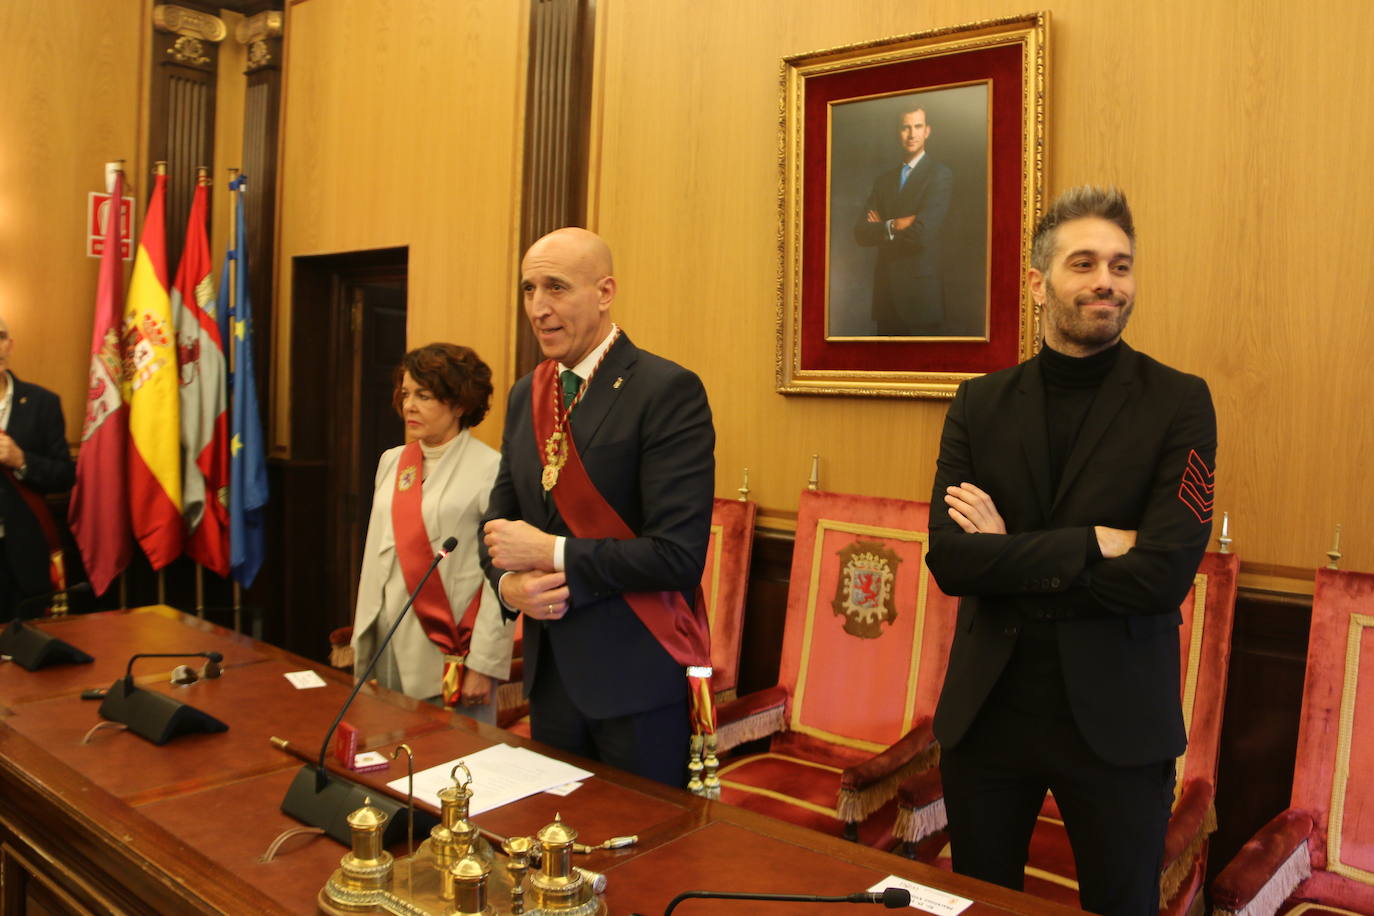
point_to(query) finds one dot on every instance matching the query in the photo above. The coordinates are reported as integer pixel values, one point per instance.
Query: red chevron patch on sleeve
(1195, 490)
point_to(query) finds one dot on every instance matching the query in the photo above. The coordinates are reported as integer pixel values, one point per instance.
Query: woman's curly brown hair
(454, 374)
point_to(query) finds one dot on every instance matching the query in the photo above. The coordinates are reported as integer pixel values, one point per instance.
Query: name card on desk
(926, 898)
(303, 680)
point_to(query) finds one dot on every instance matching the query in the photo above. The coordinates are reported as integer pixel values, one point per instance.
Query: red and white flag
(99, 511)
(204, 413)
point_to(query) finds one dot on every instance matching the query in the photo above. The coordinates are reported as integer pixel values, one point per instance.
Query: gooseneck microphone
(891, 897)
(213, 658)
(155, 716)
(321, 779)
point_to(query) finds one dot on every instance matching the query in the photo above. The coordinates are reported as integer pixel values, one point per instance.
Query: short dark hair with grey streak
(1079, 203)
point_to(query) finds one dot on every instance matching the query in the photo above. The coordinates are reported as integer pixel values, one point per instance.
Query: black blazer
(907, 271)
(36, 424)
(645, 435)
(1143, 460)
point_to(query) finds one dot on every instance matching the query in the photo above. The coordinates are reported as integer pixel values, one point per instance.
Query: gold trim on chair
(717, 532)
(778, 796)
(823, 526)
(1344, 736)
(1194, 665)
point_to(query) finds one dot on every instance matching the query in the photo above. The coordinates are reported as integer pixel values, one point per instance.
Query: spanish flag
(150, 362)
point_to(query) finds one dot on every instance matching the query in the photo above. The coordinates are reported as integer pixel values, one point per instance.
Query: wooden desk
(122, 826)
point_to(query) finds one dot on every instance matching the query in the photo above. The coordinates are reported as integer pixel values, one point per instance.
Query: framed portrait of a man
(912, 174)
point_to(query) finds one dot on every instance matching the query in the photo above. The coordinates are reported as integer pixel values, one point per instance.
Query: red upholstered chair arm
(341, 637)
(1188, 823)
(1192, 821)
(866, 787)
(1267, 867)
(917, 745)
(754, 715)
(920, 807)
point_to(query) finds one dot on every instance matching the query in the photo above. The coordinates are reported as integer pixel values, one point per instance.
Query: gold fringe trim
(1296, 869)
(510, 695)
(854, 805)
(341, 656)
(759, 725)
(915, 824)
(1172, 878)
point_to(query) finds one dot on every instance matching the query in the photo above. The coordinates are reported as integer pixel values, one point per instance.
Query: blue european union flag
(247, 458)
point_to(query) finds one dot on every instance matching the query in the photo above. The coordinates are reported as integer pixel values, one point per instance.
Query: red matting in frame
(1003, 67)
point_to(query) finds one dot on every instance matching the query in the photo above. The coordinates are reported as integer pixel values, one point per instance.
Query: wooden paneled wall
(1235, 128)
(402, 128)
(70, 89)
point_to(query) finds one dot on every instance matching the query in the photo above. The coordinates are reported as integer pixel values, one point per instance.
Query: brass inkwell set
(454, 872)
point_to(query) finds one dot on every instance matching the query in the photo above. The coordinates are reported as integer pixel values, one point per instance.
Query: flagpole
(231, 345)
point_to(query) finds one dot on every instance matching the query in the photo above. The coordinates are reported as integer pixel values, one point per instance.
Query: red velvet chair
(724, 582)
(1317, 856)
(865, 644)
(1204, 654)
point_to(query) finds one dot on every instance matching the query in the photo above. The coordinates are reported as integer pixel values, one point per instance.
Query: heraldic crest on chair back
(865, 645)
(1207, 612)
(724, 582)
(1318, 855)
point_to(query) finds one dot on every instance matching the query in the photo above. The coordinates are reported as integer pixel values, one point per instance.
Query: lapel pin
(618, 380)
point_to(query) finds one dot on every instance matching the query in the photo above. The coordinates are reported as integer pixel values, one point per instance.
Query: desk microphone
(212, 660)
(891, 897)
(323, 804)
(155, 716)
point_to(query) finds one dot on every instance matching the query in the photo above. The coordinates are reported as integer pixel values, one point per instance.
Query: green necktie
(571, 385)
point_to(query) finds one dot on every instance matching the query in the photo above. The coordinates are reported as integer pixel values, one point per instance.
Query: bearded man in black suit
(34, 460)
(1072, 505)
(903, 218)
(599, 519)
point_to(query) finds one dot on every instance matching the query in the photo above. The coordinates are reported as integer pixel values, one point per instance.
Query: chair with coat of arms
(866, 639)
(1207, 612)
(1317, 856)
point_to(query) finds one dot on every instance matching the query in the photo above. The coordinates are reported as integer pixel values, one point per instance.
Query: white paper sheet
(926, 898)
(304, 680)
(501, 774)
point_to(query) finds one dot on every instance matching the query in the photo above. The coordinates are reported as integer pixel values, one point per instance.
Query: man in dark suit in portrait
(34, 460)
(1072, 505)
(601, 431)
(903, 219)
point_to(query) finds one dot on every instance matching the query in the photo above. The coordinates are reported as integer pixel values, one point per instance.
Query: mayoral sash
(57, 571)
(414, 553)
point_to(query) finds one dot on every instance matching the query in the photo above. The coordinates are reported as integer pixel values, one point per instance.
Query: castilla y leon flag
(99, 510)
(204, 416)
(152, 390)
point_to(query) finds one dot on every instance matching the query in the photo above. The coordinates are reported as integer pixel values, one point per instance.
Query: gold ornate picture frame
(912, 174)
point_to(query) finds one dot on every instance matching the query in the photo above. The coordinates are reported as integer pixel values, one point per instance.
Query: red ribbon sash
(414, 553)
(39, 507)
(682, 630)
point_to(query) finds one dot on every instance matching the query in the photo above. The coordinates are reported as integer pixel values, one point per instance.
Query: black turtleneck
(1071, 383)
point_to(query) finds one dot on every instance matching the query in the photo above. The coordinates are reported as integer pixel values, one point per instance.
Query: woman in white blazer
(440, 478)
